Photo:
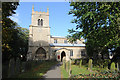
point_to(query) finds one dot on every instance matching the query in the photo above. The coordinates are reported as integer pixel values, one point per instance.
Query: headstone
(27, 65)
(70, 71)
(11, 70)
(63, 62)
(23, 66)
(117, 66)
(5, 68)
(18, 66)
(67, 58)
(67, 66)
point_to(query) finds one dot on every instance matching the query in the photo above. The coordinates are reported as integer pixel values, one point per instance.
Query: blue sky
(59, 20)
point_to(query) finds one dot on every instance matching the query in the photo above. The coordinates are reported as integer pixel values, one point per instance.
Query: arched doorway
(62, 55)
(41, 53)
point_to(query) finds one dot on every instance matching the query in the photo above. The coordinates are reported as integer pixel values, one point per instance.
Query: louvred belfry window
(39, 22)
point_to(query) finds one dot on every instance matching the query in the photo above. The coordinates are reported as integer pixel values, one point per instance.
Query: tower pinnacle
(33, 8)
(48, 10)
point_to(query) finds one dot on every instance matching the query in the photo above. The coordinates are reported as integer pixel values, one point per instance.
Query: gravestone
(70, 71)
(117, 66)
(18, 65)
(5, 68)
(63, 62)
(23, 66)
(11, 70)
(28, 65)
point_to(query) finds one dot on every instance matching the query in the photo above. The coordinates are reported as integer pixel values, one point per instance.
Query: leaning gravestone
(18, 65)
(11, 70)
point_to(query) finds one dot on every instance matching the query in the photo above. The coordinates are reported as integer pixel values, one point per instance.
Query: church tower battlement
(43, 17)
(39, 32)
(39, 28)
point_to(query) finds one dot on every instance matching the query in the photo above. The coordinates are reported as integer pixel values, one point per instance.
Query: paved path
(54, 72)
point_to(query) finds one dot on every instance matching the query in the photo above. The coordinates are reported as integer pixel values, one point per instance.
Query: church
(43, 46)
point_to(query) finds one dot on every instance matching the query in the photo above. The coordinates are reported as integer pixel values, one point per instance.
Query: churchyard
(87, 68)
(27, 69)
(73, 69)
(98, 24)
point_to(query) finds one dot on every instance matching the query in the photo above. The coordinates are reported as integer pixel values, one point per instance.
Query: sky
(59, 20)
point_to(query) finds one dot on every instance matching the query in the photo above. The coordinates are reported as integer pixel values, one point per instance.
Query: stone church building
(43, 46)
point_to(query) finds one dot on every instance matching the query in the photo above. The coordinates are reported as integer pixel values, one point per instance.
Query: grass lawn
(83, 70)
(64, 73)
(75, 71)
(84, 73)
(38, 71)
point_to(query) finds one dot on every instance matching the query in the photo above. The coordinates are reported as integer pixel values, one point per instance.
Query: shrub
(80, 65)
(112, 67)
(100, 62)
(90, 64)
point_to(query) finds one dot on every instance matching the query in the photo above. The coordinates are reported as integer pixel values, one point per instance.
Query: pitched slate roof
(65, 45)
(57, 37)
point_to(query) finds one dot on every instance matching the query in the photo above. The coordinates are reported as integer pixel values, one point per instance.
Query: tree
(8, 9)
(97, 22)
(23, 36)
(14, 38)
(19, 44)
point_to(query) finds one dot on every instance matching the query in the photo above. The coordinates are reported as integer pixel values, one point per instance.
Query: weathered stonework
(50, 47)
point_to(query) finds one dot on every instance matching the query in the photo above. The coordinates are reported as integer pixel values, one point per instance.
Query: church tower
(39, 35)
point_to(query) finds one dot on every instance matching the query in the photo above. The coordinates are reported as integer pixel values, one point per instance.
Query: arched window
(41, 52)
(41, 22)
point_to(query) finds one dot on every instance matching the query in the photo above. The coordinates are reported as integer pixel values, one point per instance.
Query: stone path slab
(54, 72)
